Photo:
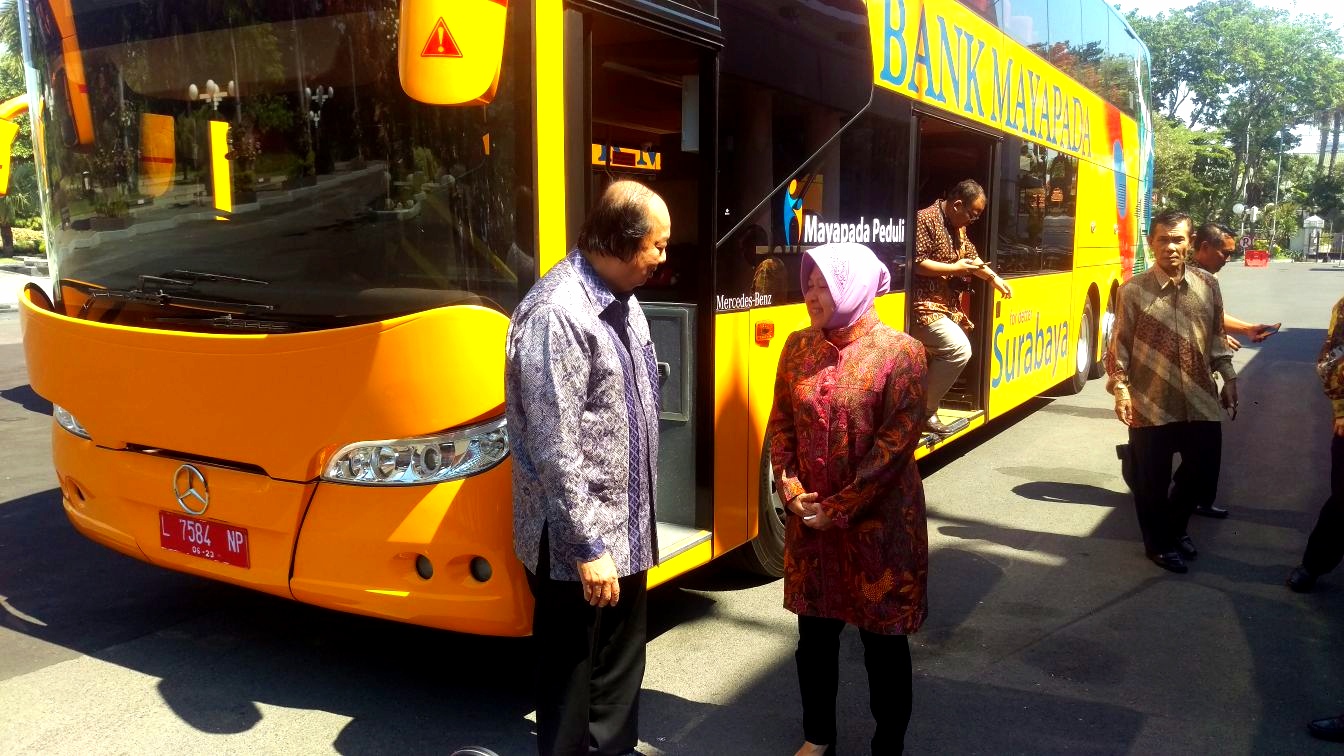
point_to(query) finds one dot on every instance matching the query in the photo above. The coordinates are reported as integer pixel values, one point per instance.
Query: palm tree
(1334, 140)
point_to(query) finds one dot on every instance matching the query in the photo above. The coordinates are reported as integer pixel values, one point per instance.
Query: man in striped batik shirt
(1167, 344)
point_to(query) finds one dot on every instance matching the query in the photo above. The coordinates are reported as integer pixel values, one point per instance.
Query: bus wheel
(764, 554)
(1083, 355)
(1107, 328)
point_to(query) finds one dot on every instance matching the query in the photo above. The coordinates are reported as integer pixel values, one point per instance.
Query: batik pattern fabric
(1167, 344)
(846, 421)
(934, 297)
(1330, 363)
(583, 423)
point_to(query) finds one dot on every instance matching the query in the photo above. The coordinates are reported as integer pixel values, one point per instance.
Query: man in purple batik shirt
(581, 382)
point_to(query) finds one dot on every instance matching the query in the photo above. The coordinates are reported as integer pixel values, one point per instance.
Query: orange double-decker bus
(286, 239)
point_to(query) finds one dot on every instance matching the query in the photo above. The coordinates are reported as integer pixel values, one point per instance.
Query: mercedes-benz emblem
(189, 483)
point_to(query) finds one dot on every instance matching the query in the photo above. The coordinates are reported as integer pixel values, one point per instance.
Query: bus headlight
(420, 461)
(68, 421)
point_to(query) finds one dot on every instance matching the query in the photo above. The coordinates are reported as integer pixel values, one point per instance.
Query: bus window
(855, 190)
(1120, 74)
(1094, 45)
(1027, 21)
(1037, 200)
(796, 77)
(1066, 31)
(273, 143)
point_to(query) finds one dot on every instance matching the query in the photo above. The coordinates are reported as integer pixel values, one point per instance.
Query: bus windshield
(279, 156)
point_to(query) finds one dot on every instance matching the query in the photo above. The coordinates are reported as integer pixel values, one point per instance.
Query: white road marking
(4, 602)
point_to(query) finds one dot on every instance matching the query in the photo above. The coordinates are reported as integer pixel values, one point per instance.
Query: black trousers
(1325, 547)
(590, 664)
(887, 659)
(1164, 510)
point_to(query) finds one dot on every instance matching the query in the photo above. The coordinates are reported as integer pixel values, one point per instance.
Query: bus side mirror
(449, 51)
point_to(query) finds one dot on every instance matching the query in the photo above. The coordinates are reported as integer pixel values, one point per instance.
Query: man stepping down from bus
(1167, 344)
(942, 253)
(581, 382)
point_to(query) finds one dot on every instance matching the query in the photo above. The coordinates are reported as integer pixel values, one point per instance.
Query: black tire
(1107, 328)
(1084, 355)
(764, 554)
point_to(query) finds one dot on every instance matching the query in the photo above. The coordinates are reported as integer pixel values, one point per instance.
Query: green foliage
(1241, 76)
(1192, 169)
(29, 241)
(21, 203)
(111, 205)
(426, 163)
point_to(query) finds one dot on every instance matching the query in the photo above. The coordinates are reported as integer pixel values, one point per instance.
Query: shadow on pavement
(219, 651)
(25, 397)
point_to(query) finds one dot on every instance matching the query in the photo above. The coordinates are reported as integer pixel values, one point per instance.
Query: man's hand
(601, 584)
(1339, 426)
(967, 266)
(1261, 331)
(1229, 397)
(1124, 408)
(1232, 342)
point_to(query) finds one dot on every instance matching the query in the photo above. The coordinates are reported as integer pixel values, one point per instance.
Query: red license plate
(203, 538)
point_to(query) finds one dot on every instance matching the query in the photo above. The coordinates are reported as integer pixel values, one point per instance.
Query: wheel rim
(1107, 323)
(776, 503)
(1084, 359)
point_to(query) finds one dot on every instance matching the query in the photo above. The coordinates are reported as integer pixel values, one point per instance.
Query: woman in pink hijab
(849, 401)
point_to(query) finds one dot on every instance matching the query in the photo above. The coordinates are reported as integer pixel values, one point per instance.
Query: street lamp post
(211, 94)
(316, 98)
(1274, 220)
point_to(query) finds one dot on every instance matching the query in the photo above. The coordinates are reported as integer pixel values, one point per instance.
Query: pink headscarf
(853, 274)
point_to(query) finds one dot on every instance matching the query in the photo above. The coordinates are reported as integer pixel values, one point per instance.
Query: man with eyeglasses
(943, 253)
(1214, 245)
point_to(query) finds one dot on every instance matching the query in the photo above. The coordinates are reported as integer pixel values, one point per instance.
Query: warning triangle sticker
(441, 43)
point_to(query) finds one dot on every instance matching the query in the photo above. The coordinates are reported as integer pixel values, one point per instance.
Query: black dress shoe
(933, 425)
(1170, 560)
(1216, 512)
(1331, 729)
(1301, 580)
(1187, 547)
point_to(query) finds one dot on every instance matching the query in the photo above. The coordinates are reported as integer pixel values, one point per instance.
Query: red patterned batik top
(847, 415)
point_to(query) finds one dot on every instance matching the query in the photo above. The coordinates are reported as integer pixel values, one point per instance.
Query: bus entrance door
(946, 154)
(646, 110)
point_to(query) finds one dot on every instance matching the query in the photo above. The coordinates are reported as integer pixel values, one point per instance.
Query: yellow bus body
(355, 548)
(347, 547)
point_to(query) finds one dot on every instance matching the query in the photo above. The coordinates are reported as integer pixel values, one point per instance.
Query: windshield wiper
(188, 277)
(162, 298)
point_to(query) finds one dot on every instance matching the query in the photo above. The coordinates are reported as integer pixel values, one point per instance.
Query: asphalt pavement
(1048, 632)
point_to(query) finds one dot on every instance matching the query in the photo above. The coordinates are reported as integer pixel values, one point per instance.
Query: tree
(1191, 169)
(1241, 77)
